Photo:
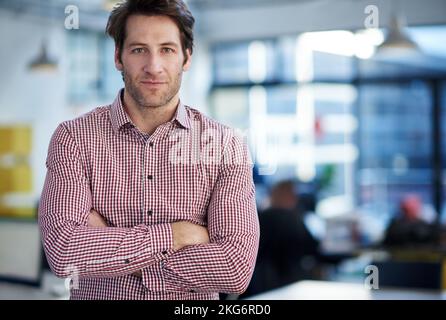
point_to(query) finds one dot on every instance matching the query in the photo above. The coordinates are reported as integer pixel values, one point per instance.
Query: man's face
(152, 60)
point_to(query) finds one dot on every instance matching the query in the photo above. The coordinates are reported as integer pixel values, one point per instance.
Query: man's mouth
(152, 83)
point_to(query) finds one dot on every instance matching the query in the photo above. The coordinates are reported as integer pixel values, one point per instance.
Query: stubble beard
(151, 99)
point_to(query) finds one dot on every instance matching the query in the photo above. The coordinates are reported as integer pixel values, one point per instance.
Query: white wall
(197, 80)
(27, 97)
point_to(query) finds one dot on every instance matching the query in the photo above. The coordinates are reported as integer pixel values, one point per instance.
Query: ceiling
(211, 4)
(266, 18)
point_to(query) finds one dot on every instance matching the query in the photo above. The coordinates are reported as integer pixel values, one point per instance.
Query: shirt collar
(119, 116)
(181, 116)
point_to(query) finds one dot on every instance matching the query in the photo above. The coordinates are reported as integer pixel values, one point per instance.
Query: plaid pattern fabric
(191, 168)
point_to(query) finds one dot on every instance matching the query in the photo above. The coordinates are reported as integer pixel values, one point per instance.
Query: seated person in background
(408, 226)
(287, 249)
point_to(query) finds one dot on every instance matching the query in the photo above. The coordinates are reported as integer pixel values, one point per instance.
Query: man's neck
(147, 119)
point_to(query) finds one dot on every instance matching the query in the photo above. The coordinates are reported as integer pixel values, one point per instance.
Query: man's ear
(118, 61)
(187, 60)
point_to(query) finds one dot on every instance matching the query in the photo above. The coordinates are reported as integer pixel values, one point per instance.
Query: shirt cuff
(162, 240)
(162, 246)
(172, 282)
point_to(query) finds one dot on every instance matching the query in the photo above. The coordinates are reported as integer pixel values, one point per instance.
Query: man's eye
(167, 50)
(138, 50)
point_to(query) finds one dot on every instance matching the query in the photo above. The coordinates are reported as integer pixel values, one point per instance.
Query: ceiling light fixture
(398, 41)
(43, 62)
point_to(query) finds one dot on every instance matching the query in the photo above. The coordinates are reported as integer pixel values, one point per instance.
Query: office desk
(328, 290)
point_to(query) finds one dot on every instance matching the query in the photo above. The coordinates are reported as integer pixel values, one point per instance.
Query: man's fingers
(137, 274)
(186, 233)
(96, 220)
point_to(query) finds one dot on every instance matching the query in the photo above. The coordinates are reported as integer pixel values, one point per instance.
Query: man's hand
(187, 233)
(96, 220)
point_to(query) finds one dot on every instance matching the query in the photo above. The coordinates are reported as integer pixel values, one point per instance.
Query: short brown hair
(175, 9)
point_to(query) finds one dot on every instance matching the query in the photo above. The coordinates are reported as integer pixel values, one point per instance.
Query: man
(409, 226)
(287, 251)
(147, 198)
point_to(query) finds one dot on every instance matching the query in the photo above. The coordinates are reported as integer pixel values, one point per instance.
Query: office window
(281, 100)
(396, 145)
(357, 126)
(286, 58)
(110, 78)
(244, 62)
(92, 76)
(332, 67)
(230, 107)
(300, 130)
(83, 66)
(443, 149)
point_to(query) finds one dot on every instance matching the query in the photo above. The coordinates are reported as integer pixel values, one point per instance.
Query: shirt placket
(152, 150)
(146, 207)
(151, 180)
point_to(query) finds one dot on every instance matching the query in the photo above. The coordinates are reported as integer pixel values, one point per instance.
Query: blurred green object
(326, 178)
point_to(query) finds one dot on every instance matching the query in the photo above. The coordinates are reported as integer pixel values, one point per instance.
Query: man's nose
(153, 64)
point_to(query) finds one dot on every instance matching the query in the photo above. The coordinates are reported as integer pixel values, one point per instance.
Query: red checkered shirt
(190, 169)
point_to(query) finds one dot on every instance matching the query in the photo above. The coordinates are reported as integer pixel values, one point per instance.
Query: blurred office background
(343, 100)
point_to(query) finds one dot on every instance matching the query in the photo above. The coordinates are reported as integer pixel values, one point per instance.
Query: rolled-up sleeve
(74, 248)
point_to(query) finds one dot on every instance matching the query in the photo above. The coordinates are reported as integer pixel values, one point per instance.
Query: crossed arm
(184, 233)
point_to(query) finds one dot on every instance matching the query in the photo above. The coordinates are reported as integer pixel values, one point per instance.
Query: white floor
(330, 290)
(52, 288)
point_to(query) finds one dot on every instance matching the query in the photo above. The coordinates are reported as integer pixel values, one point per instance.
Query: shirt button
(192, 291)
(150, 212)
(150, 144)
(127, 261)
(164, 252)
(149, 177)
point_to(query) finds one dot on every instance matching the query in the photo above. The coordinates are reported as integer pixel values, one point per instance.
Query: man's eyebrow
(133, 44)
(169, 43)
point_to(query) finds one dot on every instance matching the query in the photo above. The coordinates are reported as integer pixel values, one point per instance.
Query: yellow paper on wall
(15, 140)
(16, 179)
(19, 212)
